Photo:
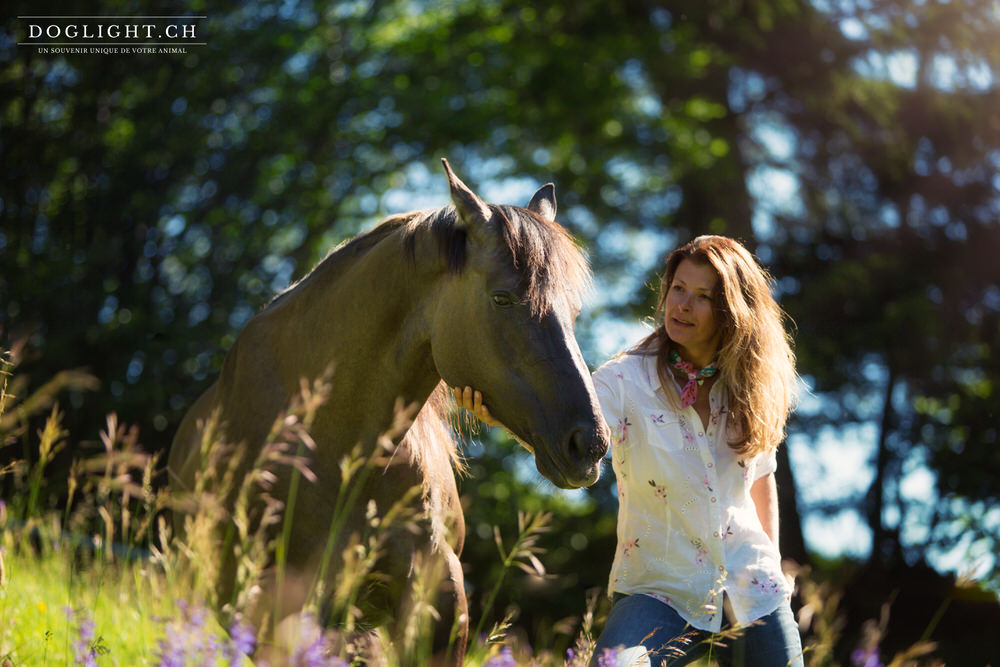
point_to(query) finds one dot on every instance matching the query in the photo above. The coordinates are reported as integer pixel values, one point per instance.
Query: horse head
(504, 325)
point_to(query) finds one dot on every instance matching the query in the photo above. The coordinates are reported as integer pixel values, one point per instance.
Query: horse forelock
(551, 265)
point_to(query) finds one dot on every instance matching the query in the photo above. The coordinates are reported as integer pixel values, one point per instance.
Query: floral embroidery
(660, 490)
(699, 557)
(746, 469)
(629, 546)
(768, 585)
(658, 419)
(687, 433)
(704, 480)
(728, 533)
(620, 432)
(716, 414)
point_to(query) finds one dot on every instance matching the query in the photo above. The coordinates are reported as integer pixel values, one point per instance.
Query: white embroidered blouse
(687, 527)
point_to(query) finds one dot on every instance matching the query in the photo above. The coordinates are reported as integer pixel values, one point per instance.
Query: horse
(472, 294)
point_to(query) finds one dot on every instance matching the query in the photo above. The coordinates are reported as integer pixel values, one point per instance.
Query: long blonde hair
(755, 359)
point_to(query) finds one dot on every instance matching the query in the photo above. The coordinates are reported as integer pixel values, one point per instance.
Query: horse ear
(472, 210)
(544, 202)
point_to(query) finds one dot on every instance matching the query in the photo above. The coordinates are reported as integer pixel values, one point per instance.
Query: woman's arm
(764, 494)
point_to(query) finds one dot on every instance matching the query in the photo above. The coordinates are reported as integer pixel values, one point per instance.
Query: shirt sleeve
(766, 464)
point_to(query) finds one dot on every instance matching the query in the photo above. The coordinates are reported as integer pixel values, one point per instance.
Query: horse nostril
(578, 446)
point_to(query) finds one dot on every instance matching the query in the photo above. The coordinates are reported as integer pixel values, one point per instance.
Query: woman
(697, 410)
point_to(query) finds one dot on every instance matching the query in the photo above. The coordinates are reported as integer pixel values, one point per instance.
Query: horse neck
(368, 314)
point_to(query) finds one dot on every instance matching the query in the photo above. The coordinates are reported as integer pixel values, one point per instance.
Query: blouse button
(710, 465)
(716, 533)
(722, 568)
(713, 499)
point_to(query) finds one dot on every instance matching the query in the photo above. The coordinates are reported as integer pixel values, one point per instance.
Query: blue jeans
(641, 620)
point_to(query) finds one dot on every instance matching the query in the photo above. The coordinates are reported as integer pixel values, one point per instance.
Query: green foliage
(150, 204)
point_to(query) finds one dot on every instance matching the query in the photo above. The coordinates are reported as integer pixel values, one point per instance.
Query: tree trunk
(882, 542)
(792, 542)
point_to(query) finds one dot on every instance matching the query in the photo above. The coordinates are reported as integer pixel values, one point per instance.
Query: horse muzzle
(573, 461)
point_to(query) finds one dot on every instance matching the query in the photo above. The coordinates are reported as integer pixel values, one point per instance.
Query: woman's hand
(472, 400)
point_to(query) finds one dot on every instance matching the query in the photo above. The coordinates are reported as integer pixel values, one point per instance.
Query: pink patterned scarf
(689, 394)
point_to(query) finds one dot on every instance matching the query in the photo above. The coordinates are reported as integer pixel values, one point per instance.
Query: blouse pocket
(666, 430)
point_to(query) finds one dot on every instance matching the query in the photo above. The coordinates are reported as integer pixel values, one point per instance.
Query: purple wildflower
(187, 640)
(85, 648)
(313, 649)
(172, 649)
(197, 618)
(310, 655)
(608, 658)
(243, 641)
(170, 656)
(505, 659)
(866, 657)
(86, 630)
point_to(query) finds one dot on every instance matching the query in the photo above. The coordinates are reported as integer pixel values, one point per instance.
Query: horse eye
(502, 299)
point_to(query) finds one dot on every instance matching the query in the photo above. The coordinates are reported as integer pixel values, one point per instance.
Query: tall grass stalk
(295, 427)
(819, 612)
(355, 470)
(50, 441)
(523, 554)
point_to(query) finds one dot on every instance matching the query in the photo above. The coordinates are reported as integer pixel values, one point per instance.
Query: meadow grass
(103, 581)
(50, 594)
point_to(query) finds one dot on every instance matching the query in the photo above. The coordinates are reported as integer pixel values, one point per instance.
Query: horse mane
(549, 261)
(546, 257)
(433, 428)
(430, 440)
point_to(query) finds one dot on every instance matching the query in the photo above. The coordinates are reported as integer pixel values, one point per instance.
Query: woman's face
(689, 311)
